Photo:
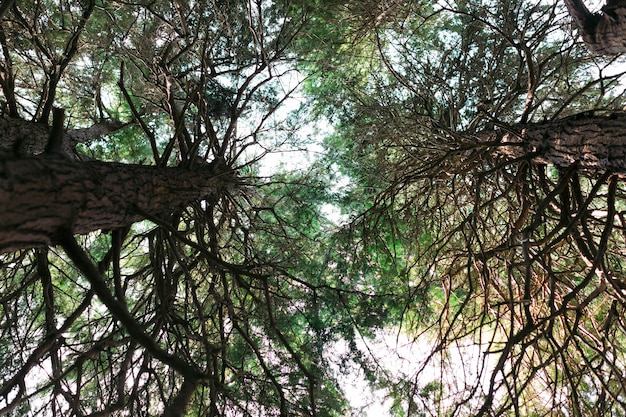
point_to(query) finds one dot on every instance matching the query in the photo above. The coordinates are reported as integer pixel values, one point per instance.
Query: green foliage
(438, 218)
(504, 275)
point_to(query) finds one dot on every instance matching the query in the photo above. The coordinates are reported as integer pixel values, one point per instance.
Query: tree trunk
(30, 138)
(44, 196)
(593, 143)
(603, 33)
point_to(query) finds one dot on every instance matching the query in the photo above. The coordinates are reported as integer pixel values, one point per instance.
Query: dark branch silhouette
(5, 5)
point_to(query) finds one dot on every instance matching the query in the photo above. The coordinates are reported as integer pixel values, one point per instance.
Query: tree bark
(603, 33)
(30, 138)
(595, 143)
(45, 196)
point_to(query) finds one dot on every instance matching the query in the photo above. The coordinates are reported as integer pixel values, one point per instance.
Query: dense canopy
(310, 208)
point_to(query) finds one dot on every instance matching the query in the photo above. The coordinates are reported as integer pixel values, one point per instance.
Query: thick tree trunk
(593, 143)
(603, 33)
(42, 197)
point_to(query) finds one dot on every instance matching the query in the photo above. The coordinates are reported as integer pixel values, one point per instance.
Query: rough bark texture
(34, 136)
(593, 143)
(44, 196)
(604, 33)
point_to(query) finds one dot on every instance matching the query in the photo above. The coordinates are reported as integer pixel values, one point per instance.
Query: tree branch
(119, 312)
(178, 406)
(4, 6)
(55, 140)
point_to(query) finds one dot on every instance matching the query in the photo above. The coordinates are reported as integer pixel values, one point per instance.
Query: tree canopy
(248, 201)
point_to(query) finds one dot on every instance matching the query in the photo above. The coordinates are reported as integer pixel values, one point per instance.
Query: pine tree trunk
(44, 196)
(603, 33)
(593, 143)
(29, 138)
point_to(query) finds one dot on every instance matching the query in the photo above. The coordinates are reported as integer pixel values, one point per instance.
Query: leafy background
(393, 245)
